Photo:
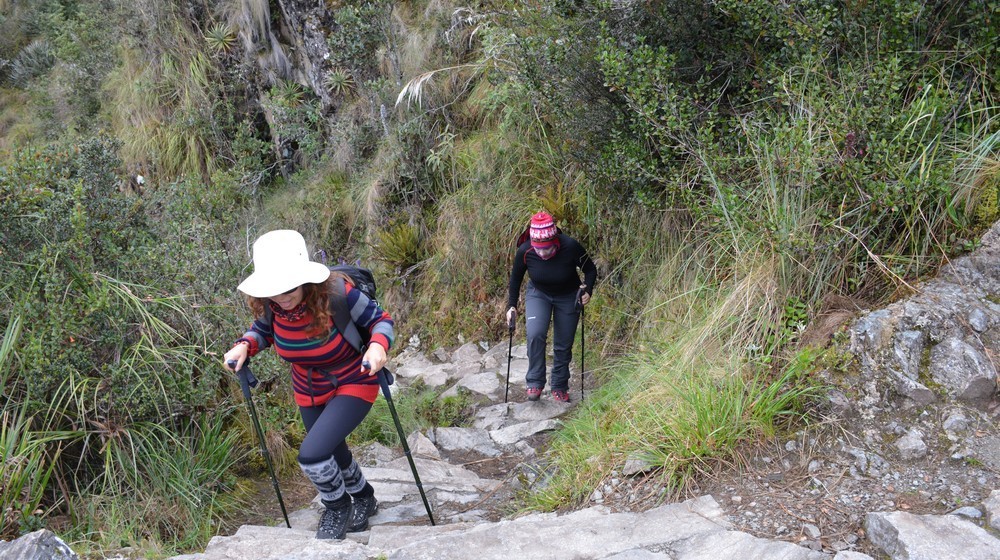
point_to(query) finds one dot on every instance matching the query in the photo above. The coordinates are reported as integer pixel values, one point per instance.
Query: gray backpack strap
(342, 316)
(345, 324)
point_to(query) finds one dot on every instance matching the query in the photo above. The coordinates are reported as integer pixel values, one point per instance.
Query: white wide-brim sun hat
(281, 263)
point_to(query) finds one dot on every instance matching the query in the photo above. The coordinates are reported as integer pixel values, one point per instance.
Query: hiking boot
(364, 507)
(534, 393)
(333, 523)
(560, 396)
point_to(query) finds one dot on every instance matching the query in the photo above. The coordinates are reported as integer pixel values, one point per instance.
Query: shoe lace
(362, 506)
(331, 519)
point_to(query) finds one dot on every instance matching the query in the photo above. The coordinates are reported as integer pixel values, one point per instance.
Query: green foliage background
(729, 164)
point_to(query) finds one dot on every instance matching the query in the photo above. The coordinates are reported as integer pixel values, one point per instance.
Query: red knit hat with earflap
(543, 227)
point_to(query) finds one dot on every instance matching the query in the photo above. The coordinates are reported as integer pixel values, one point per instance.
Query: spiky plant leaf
(340, 83)
(220, 38)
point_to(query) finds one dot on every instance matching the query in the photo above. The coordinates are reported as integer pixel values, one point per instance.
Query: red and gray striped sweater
(316, 359)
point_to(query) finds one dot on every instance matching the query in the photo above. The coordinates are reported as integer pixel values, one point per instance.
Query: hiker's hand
(375, 358)
(584, 298)
(238, 354)
(511, 315)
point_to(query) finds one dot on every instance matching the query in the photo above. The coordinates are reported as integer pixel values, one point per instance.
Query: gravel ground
(816, 487)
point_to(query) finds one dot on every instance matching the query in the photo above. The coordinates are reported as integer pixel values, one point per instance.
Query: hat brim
(269, 283)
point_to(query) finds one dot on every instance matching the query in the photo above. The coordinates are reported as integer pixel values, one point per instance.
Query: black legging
(327, 428)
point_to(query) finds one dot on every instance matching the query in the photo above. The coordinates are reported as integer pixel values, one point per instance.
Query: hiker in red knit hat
(551, 259)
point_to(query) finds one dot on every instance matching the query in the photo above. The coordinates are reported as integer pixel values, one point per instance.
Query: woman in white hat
(290, 296)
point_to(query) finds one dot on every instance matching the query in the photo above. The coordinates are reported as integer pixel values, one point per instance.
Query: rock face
(305, 24)
(940, 344)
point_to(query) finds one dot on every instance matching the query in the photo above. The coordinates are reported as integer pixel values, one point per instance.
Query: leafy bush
(113, 345)
(830, 120)
(296, 123)
(360, 29)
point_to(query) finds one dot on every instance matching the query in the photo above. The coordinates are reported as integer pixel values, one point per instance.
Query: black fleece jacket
(556, 276)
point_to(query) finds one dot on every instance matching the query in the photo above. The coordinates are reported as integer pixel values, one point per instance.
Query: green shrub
(359, 30)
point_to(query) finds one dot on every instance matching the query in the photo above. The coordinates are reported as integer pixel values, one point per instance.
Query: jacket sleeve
(589, 270)
(261, 333)
(516, 276)
(368, 315)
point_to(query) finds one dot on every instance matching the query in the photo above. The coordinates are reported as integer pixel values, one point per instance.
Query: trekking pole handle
(251, 379)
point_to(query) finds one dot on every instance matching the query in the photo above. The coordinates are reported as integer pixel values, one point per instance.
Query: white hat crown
(281, 263)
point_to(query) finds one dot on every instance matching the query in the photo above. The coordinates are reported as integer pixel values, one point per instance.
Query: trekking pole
(510, 346)
(247, 380)
(583, 333)
(383, 381)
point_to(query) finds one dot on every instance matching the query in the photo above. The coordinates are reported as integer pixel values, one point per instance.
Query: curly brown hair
(317, 300)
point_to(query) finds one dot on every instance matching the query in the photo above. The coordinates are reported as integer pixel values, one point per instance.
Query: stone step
(692, 530)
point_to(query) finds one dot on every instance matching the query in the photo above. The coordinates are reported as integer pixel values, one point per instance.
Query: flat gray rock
(686, 531)
(992, 505)
(905, 536)
(433, 474)
(513, 434)
(485, 383)
(475, 440)
(422, 446)
(492, 417)
(468, 356)
(252, 541)
(38, 545)
(544, 409)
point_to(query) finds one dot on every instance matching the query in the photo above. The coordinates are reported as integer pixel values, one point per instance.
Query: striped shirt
(316, 360)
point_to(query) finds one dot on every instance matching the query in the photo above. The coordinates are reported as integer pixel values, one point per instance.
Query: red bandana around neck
(546, 249)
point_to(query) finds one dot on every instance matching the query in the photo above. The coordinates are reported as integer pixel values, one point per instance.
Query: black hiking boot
(333, 523)
(364, 507)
